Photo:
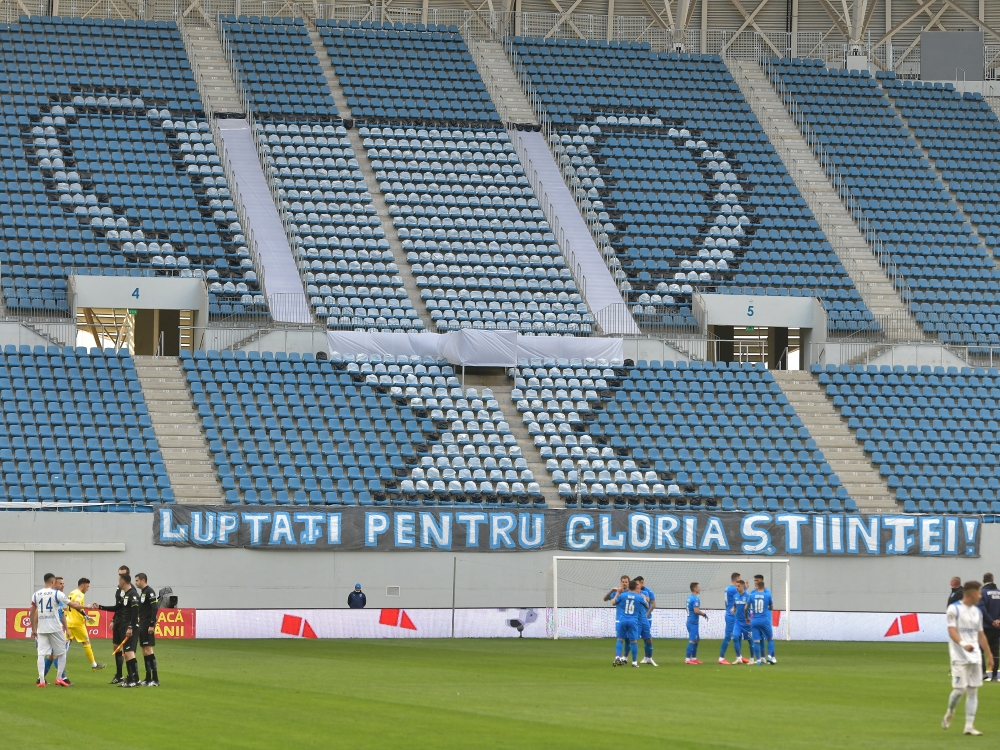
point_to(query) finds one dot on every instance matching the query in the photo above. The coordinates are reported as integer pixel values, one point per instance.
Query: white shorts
(966, 675)
(51, 643)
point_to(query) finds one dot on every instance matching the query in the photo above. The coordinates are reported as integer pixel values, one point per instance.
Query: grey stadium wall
(69, 544)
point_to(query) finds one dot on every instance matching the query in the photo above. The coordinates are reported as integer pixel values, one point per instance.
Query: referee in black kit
(117, 629)
(149, 607)
(990, 606)
(129, 621)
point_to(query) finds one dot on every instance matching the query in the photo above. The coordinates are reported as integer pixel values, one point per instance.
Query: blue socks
(618, 648)
(692, 650)
(635, 650)
(725, 645)
(770, 648)
(648, 649)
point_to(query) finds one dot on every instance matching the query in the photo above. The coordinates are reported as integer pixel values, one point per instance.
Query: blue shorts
(762, 631)
(742, 632)
(730, 626)
(693, 631)
(644, 632)
(628, 630)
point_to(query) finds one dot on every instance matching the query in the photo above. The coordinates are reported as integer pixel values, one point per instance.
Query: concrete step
(214, 78)
(839, 445)
(502, 83)
(848, 241)
(189, 465)
(502, 385)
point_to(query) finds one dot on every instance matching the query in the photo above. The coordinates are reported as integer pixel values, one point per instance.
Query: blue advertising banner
(502, 530)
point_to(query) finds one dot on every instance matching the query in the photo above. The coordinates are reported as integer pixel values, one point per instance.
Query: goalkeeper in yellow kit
(76, 623)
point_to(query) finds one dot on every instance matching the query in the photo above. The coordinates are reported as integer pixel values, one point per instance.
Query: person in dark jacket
(357, 599)
(956, 591)
(990, 605)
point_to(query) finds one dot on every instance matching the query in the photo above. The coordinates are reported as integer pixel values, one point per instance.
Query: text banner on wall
(482, 530)
(170, 623)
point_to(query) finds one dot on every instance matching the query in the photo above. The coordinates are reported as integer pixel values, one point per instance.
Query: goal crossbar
(674, 558)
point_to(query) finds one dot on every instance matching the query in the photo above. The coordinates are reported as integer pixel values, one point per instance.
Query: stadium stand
(110, 167)
(76, 429)
(922, 227)
(959, 132)
(666, 435)
(478, 243)
(285, 429)
(280, 68)
(691, 193)
(394, 74)
(344, 257)
(482, 255)
(931, 431)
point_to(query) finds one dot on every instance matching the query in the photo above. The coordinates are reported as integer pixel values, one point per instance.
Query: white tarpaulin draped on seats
(569, 347)
(286, 297)
(475, 348)
(396, 344)
(479, 348)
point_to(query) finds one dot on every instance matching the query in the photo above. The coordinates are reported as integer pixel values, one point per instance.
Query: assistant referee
(149, 607)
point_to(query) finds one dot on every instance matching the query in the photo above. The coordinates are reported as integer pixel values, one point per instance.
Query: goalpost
(582, 581)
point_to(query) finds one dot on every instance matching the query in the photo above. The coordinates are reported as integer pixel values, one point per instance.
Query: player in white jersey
(966, 645)
(47, 626)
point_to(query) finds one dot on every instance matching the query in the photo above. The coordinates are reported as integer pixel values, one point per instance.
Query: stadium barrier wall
(527, 622)
(73, 544)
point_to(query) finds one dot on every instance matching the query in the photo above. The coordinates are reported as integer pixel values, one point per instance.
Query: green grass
(491, 693)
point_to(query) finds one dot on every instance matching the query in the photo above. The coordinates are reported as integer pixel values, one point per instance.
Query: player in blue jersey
(631, 605)
(741, 622)
(694, 611)
(622, 587)
(761, 607)
(645, 623)
(730, 618)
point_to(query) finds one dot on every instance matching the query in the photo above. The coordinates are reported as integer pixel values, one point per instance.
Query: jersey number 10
(758, 606)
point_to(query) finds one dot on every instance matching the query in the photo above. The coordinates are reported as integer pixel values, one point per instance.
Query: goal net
(579, 585)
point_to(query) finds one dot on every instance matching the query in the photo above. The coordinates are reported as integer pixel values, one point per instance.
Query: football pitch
(491, 693)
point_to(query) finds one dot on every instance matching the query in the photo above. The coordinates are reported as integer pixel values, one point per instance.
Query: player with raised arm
(761, 607)
(622, 587)
(631, 605)
(149, 606)
(741, 622)
(645, 622)
(730, 619)
(48, 627)
(117, 631)
(694, 611)
(966, 645)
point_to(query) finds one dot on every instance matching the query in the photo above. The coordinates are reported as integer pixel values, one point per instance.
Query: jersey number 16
(629, 607)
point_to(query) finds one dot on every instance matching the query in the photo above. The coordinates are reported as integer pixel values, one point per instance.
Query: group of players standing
(57, 620)
(748, 617)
